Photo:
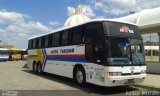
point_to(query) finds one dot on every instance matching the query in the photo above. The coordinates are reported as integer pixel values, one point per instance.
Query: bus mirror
(98, 61)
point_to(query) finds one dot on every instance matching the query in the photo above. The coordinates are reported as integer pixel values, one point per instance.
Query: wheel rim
(79, 77)
(39, 68)
(35, 67)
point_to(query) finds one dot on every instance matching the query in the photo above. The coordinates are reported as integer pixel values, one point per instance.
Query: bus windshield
(125, 51)
(3, 52)
(137, 51)
(119, 51)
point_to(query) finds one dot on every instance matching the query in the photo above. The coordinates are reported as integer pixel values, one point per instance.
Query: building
(77, 18)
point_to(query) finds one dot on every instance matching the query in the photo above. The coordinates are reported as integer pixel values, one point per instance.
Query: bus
(4, 54)
(23, 54)
(101, 52)
(14, 54)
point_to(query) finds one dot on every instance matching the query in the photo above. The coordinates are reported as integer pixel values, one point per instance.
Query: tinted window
(64, 37)
(43, 40)
(56, 39)
(46, 41)
(37, 41)
(40, 42)
(89, 55)
(34, 43)
(77, 35)
(30, 44)
(99, 52)
(50, 40)
(93, 32)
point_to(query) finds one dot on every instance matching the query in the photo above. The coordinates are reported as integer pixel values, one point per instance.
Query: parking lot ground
(16, 79)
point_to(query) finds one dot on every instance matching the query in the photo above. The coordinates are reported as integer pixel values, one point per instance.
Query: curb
(146, 87)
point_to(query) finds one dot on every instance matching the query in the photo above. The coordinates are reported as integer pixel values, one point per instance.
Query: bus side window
(46, 41)
(30, 44)
(34, 43)
(77, 35)
(43, 40)
(70, 37)
(37, 42)
(40, 42)
(65, 37)
(89, 53)
(56, 39)
(93, 32)
(50, 40)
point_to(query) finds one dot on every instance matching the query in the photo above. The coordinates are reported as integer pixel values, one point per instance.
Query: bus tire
(34, 67)
(39, 68)
(80, 76)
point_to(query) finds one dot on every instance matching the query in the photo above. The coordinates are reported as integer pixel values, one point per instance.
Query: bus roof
(3, 49)
(14, 49)
(94, 20)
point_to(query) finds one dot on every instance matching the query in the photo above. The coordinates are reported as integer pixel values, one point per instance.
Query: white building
(77, 18)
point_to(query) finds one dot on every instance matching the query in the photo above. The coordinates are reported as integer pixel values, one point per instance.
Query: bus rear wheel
(39, 70)
(80, 76)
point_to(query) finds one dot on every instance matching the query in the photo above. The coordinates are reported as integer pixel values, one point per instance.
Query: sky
(22, 19)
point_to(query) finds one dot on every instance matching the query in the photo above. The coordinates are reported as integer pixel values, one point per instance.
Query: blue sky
(21, 19)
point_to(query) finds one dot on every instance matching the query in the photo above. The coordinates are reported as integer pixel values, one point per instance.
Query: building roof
(148, 20)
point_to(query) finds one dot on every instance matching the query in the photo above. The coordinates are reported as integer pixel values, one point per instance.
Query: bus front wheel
(80, 76)
(34, 67)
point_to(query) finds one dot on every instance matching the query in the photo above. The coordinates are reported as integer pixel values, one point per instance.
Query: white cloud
(70, 10)
(98, 5)
(35, 26)
(16, 28)
(54, 23)
(88, 11)
(11, 17)
(120, 7)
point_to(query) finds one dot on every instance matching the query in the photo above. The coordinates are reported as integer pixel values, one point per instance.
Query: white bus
(4, 54)
(101, 52)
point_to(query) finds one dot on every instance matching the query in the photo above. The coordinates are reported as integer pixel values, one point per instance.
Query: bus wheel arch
(79, 69)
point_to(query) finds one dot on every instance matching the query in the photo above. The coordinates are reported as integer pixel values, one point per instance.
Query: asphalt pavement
(15, 80)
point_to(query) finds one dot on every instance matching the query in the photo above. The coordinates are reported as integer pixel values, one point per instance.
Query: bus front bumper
(124, 80)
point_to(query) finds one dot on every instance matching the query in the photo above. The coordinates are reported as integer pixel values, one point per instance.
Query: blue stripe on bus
(69, 59)
(3, 59)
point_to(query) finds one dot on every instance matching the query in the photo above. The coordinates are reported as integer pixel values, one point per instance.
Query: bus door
(95, 54)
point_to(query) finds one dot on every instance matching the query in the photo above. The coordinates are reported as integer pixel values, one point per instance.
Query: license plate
(130, 81)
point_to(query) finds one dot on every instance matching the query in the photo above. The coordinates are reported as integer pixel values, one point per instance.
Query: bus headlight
(143, 72)
(114, 73)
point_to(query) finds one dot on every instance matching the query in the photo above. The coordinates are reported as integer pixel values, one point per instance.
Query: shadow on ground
(89, 88)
